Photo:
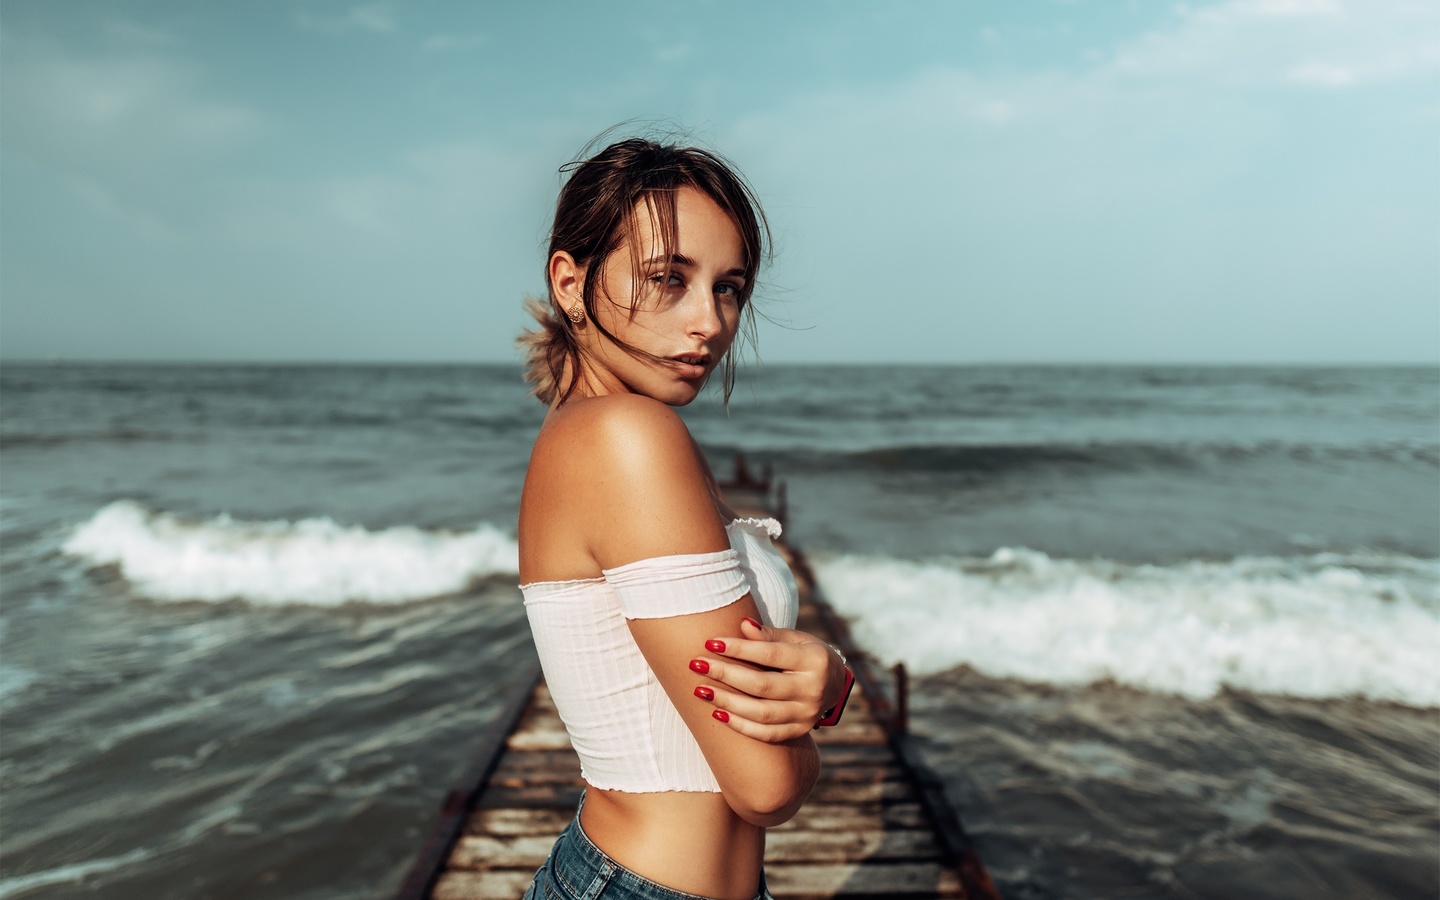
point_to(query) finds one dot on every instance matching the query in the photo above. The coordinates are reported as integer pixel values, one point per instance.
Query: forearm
(769, 791)
(764, 782)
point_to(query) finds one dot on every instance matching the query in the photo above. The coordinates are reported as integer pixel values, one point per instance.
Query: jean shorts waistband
(579, 870)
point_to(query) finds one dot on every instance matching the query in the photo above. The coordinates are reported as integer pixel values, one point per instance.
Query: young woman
(662, 620)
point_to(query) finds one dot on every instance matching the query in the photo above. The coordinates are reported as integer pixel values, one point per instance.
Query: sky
(1241, 181)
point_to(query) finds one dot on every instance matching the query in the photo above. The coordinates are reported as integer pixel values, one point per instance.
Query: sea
(1173, 632)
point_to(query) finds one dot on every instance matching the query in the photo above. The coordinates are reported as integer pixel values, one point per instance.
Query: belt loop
(601, 879)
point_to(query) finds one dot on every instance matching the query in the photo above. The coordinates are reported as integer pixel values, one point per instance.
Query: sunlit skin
(615, 477)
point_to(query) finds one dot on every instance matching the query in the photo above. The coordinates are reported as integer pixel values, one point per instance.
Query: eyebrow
(680, 259)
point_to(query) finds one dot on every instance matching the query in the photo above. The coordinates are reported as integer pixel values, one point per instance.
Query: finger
(761, 712)
(762, 683)
(770, 734)
(752, 629)
(791, 636)
(783, 655)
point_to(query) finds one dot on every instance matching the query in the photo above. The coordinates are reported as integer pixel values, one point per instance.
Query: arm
(646, 496)
(765, 783)
(780, 681)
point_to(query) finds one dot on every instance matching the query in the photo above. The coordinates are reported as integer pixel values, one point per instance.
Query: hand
(773, 684)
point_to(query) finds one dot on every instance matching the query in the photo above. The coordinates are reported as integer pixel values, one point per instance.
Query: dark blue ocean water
(1175, 627)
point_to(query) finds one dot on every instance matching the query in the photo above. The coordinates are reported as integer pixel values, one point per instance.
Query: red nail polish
(704, 693)
(715, 646)
(752, 622)
(721, 715)
(700, 665)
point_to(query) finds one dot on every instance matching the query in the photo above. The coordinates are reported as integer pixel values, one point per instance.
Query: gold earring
(576, 312)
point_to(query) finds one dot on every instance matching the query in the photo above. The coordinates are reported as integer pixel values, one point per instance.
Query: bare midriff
(686, 841)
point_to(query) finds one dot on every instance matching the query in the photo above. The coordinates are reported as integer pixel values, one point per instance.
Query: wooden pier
(877, 825)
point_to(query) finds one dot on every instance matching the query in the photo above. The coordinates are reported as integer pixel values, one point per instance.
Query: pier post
(902, 698)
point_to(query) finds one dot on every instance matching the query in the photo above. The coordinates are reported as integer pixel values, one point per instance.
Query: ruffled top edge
(768, 526)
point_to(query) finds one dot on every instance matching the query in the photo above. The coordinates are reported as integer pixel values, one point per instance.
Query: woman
(662, 620)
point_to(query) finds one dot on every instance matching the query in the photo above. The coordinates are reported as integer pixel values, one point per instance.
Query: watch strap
(832, 715)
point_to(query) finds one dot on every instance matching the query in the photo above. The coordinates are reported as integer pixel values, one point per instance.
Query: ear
(567, 279)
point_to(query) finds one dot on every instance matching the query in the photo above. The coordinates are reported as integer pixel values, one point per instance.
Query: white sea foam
(69, 874)
(1317, 626)
(311, 561)
(15, 679)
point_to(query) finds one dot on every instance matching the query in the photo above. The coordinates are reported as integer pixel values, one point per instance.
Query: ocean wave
(68, 874)
(311, 561)
(38, 440)
(14, 680)
(1327, 625)
(1088, 456)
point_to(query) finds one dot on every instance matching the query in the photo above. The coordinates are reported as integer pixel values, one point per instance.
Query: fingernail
(721, 715)
(751, 622)
(715, 646)
(700, 665)
(704, 693)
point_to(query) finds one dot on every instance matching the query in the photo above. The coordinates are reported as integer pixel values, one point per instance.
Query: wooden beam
(454, 810)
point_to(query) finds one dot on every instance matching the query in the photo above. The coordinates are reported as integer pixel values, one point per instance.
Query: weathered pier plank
(877, 824)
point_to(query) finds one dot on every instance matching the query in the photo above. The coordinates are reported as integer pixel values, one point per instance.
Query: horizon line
(1357, 364)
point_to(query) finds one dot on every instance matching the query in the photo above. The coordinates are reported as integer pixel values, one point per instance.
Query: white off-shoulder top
(622, 724)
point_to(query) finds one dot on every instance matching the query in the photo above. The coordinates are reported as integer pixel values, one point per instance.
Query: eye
(728, 290)
(674, 279)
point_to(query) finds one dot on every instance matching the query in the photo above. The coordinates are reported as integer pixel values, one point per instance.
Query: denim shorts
(578, 870)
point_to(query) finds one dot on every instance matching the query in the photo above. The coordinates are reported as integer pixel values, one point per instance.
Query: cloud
(1179, 148)
(1249, 43)
(670, 45)
(430, 235)
(133, 216)
(1268, 9)
(120, 129)
(1170, 110)
(129, 32)
(1323, 74)
(375, 18)
(673, 53)
(435, 189)
(83, 108)
(441, 42)
(996, 111)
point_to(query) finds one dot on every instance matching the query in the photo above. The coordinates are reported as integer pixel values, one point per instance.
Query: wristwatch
(832, 715)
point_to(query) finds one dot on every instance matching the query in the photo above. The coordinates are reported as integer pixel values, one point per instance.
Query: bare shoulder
(631, 478)
(617, 423)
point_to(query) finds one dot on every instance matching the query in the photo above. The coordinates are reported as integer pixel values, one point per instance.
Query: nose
(705, 319)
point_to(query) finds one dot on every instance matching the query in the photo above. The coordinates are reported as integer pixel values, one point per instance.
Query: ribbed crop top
(621, 722)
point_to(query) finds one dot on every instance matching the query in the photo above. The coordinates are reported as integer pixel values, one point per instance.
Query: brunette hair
(596, 213)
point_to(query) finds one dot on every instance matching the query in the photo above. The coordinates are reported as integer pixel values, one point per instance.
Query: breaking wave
(1328, 625)
(311, 561)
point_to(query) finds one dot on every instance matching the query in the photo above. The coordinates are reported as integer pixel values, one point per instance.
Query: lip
(690, 365)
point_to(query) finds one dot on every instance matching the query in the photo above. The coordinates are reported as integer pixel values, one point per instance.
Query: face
(686, 313)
